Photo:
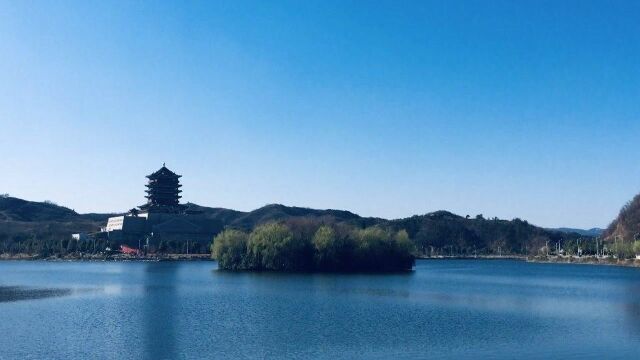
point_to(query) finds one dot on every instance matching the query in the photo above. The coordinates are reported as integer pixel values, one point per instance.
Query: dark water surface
(444, 309)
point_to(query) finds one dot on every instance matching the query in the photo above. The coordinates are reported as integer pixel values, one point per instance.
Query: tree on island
(230, 249)
(275, 247)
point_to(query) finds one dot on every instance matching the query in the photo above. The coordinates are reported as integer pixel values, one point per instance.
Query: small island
(314, 248)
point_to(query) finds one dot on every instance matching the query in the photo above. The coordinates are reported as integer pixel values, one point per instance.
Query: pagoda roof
(163, 172)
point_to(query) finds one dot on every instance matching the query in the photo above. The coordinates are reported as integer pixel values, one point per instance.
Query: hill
(14, 209)
(33, 226)
(445, 233)
(223, 215)
(277, 212)
(627, 224)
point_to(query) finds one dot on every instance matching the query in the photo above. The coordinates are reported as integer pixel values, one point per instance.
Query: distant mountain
(627, 224)
(593, 232)
(435, 233)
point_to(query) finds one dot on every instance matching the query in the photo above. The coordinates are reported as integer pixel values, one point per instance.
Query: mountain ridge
(433, 233)
(593, 232)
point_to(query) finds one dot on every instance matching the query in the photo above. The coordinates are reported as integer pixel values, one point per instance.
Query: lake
(444, 309)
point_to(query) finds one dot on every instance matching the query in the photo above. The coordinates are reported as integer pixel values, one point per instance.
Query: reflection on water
(632, 307)
(159, 311)
(18, 293)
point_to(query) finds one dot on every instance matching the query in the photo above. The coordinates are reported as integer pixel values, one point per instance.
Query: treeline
(593, 246)
(53, 246)
(306, 246)
(44, 239)
(624, 250)
(40, 228)
(41, 238)
(61, 247)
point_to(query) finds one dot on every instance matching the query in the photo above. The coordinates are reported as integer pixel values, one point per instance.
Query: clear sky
(505, 108)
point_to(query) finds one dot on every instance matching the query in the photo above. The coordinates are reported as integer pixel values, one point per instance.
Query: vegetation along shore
(282, 238)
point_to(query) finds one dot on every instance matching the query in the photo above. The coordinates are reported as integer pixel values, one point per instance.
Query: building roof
(163, 172)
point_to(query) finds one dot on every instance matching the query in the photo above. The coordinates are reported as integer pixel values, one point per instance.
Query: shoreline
(115, 258)
(585, 260)
(478, 257)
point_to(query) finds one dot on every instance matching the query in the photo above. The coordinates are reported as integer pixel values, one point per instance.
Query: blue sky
(505, 108)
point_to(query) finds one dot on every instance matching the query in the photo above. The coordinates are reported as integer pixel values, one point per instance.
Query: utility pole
(579, 248)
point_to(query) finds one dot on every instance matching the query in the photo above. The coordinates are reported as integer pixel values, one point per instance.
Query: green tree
(333, 252)
(403, 243)
(229, 248)
(272, 246)
(623, 250)
(324, 243)
(378, 249)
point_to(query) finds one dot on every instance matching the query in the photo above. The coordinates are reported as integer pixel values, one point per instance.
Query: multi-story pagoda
(163, 192)
(162, 218)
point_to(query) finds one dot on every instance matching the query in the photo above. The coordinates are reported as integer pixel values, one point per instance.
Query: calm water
(445, 309)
